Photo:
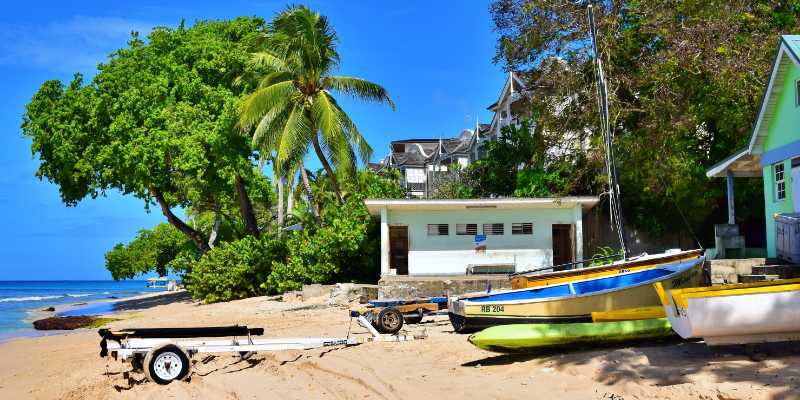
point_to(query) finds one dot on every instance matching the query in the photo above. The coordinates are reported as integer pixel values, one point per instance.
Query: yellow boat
(574, 301)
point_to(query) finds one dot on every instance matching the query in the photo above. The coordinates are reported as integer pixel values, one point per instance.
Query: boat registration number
(622, 271)
(492, 309)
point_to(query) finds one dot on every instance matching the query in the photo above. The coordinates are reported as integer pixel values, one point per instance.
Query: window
(797, 92)
(796, 162)
(438, 229)
(522, 229)
(492, 229)
(466, 229)
(780, 183)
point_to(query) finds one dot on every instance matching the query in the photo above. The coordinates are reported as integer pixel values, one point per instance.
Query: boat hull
(736, 314)
(549, 338)
(469, 315)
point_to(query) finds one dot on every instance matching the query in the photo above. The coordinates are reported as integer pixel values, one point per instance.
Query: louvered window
(438, 229)
(797, 91)
(492, 229)
(522, 229)
(780, 182)
(466, 229)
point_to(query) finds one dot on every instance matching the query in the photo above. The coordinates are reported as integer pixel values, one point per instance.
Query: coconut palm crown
(293, 103)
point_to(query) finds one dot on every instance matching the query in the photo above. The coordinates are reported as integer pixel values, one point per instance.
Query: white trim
(769, 93)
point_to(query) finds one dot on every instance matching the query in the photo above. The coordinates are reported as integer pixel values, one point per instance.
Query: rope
(680, 212)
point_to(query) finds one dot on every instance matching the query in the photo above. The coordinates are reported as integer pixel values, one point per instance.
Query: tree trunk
(215, 229)
(196, 237)
(247, 208)
(318, 150)
(290, 195)
(311, 203)
(280, 203)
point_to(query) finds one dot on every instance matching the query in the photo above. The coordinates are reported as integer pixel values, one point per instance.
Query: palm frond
(253, 106)
(358, 89)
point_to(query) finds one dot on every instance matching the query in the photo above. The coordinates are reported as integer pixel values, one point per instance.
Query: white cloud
(67, 45)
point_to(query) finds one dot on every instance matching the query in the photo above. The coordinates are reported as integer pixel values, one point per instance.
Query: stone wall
(400, 287)
(726, 272)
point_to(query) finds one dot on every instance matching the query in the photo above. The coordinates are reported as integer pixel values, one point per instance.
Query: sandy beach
(443, 366)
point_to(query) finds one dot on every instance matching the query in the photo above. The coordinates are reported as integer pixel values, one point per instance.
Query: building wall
(782, 131)
(452, 254)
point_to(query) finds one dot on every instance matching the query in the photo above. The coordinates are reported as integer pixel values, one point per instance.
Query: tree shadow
(153, 301)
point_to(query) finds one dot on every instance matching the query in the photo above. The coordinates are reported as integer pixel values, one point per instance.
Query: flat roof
(507, 203)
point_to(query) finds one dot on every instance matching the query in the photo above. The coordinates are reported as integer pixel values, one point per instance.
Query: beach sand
(443, 366)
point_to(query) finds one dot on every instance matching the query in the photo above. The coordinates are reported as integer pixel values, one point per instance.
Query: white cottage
(434, 236)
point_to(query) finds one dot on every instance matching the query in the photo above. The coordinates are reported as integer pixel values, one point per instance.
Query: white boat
(735, 314)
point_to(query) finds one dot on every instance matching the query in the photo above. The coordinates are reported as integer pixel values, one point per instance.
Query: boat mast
(607, 124)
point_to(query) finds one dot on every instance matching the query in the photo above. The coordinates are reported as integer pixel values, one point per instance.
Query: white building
(432, 236)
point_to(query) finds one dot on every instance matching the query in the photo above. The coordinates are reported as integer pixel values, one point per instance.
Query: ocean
(18, 299)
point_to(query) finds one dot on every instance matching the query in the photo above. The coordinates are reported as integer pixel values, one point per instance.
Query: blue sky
(435, 59)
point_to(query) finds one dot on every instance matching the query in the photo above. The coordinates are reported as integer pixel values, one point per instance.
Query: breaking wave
(29, 298)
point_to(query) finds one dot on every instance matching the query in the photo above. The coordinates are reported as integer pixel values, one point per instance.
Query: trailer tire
(415, 319)
(390, 320)
(137, 363)
(166, 362)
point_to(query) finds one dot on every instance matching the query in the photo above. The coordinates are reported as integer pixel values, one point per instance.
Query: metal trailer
(164, 360)
(388, 315)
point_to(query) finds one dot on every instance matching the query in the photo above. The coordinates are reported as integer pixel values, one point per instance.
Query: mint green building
(774, 149)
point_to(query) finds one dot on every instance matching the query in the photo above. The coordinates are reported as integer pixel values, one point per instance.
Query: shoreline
(13, 335)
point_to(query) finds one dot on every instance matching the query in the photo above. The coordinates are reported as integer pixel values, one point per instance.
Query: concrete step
(757, 278)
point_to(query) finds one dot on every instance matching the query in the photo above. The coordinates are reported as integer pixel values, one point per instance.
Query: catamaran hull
(549, 338)
(470, 316)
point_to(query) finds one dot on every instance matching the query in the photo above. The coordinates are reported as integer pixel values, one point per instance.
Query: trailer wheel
(137, 362)
(390, 320)
(415, 319)
(165, 363)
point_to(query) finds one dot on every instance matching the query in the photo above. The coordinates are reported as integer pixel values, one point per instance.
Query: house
(773, 151)
(438, 236)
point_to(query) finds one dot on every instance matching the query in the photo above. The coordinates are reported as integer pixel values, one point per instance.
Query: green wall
(783, 129)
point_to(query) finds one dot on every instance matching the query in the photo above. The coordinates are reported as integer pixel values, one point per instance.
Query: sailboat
(572, 296)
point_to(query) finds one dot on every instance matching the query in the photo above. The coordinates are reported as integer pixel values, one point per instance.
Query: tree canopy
(685, 79)
(157, 122)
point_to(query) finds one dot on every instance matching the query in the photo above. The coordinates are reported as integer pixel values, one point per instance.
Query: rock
(341, 293)
(49, 309)
(80, 304)
(68, 323)
(547, 370)
(174, 286)
(291, 296)
(112, 297)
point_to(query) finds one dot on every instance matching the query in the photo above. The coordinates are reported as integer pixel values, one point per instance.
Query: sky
(434, 58)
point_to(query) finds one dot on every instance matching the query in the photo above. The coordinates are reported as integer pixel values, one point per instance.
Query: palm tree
(293, 104)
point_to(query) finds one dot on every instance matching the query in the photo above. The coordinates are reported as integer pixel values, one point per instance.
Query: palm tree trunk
(290, 195)
(247, 208)
(197, 237)
(311, 203)
(280, 203)
(334, 182)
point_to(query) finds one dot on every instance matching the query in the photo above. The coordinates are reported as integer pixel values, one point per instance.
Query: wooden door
(398, 244)
(563, 244)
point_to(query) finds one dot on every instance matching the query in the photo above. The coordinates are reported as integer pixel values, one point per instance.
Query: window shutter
(522, 228)
(797, 92)
(466, 229)
(492, 229)
(438, 230)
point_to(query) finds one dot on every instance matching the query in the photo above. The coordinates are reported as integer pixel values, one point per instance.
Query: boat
(631, 314)
(745, 313)
(550, 338)
(574, 301)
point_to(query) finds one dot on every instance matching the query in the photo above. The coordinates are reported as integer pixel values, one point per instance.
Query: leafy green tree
(157, 122)
(162, 250)
(685, 78)
(293, 104)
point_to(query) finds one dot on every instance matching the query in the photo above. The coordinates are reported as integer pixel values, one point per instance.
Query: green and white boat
(551, 338)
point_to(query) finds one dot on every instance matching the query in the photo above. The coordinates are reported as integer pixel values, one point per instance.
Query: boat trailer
(153, 351)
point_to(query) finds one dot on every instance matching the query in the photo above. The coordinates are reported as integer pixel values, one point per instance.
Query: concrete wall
(782, 131)
(404, 287)
(452, 254)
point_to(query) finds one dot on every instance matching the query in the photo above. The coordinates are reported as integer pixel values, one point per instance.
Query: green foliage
(686, 78)
(604, 252)
(234, 270)
(345, 249)
(163, 250)
(157, 119)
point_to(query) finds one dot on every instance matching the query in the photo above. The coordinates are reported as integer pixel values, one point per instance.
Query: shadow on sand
(153, 301)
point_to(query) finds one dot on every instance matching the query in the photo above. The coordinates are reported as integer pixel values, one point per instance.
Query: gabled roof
(514, 79)
(454, 145)
(788, 51)
(412, 158)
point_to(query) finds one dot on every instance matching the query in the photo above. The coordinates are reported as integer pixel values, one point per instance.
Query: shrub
(234, 270)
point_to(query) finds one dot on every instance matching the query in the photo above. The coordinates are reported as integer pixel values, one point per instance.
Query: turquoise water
(18, 299)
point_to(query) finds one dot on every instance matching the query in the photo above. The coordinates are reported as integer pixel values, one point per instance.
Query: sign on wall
(480, 243)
